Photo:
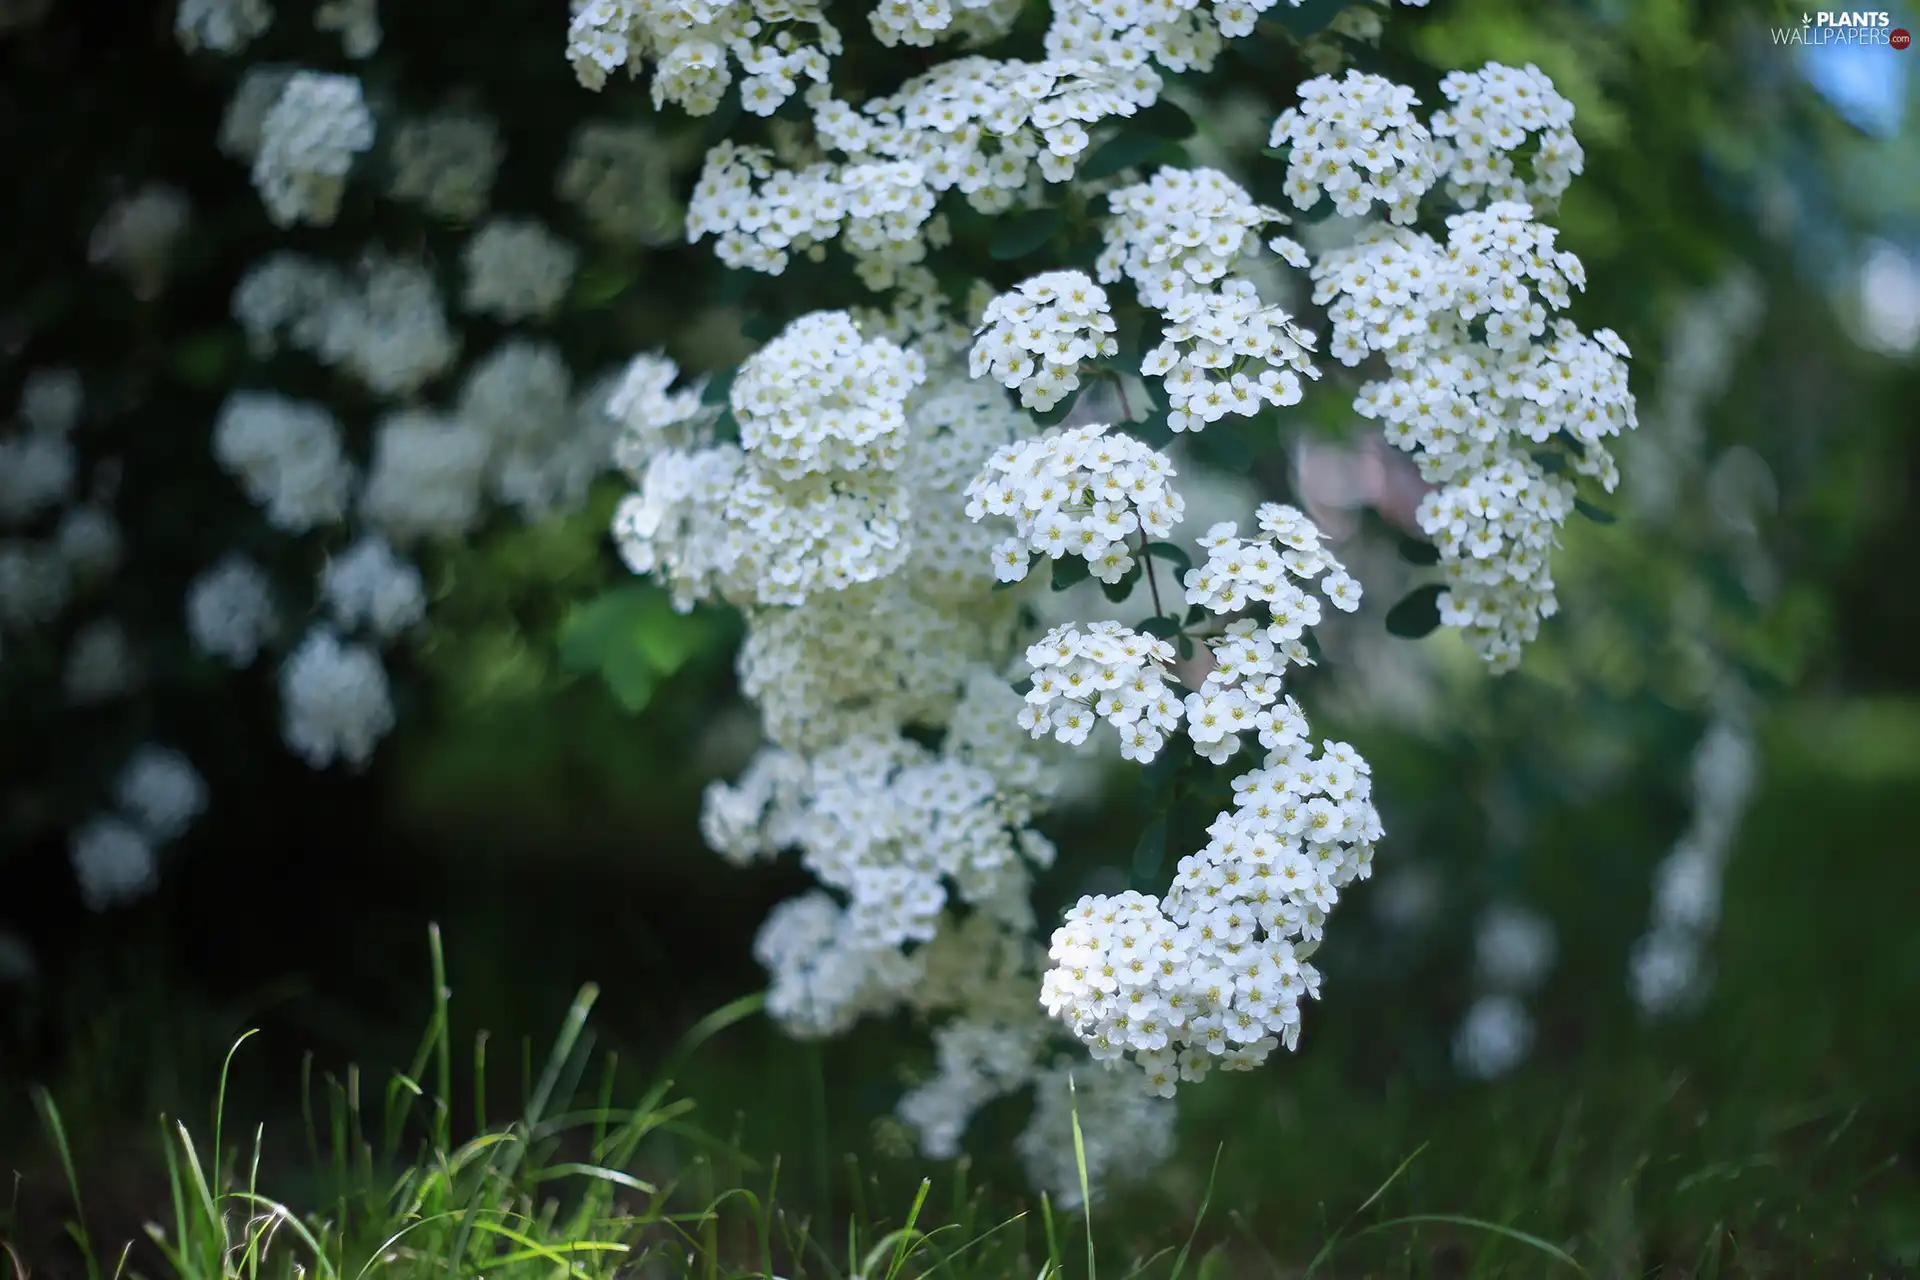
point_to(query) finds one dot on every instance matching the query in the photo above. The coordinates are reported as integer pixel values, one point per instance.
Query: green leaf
(1165, 120)
(1184, 647)
(1196, 613)
(1599, 515)
(1159, 628)
(1414, 551)
(1176, 556)
(630, 637)
(763, 326)
(602, 283)
(1149, 856)
(1310, 17)
(1120, 590)
(1551, 463)
(1418, 612)
(1055, 416)
(1069, 571)
(1125, 150)
(1022, 234)
(1224, 448)
(1023, 687)
(719, 387)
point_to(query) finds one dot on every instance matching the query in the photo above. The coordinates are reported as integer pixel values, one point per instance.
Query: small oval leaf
(1418, 612)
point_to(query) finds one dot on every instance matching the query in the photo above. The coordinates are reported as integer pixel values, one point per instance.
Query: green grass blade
(1479, 1224)
(57, 1131)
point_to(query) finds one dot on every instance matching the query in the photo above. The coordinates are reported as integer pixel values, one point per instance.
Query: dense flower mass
(1498, 113)
(308, 141)
(1224, 352)
(1081, 492)
(1357, 142)
(1482, 376)
(1179, 231)
(1035, 339)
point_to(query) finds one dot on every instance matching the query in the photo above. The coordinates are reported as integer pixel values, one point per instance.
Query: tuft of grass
(562, 1191)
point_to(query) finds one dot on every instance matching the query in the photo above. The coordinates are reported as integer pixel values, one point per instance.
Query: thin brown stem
(1153, 583)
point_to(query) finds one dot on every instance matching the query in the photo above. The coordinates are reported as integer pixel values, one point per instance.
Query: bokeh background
(1708, 1069)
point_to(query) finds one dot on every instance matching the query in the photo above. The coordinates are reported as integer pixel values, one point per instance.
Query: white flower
(369, 584)
(88, 539)
(517, 270)
(224, 26)
(335, 701)
(287, 456)
(446, 164)
(113, 862)
(160, 792)
(1513, 948)
(230, 611)
(137, 236)
(1495, 1038)
(100, 663)
(308, 140)
(426, 477)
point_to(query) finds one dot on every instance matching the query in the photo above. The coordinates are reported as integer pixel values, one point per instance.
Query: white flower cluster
(820, 398)
(446, 163)
(1225, 352)
(1035, 339)
(1480, 381)
(971, 124)
(1214, 974)
(426, 477)
(287, 456)
(224, 26)
(619, 174)
(39, 571)
(1076, 491)
(308, 140)
(1358, 142)
(335, 700)
(230, 611)
(1496, 111)
(386, 326)
(922, 23)
(138, 234)
(777, 43)
(1104, 673)
(760, 212)
(1181, 230)
(1514, 949)
(101, 664)
(356, 21)
(544, 445)
(727, 519)
(37, 469)
(156, 797)
(517, 270)
(1669, 972)
(369, 584)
